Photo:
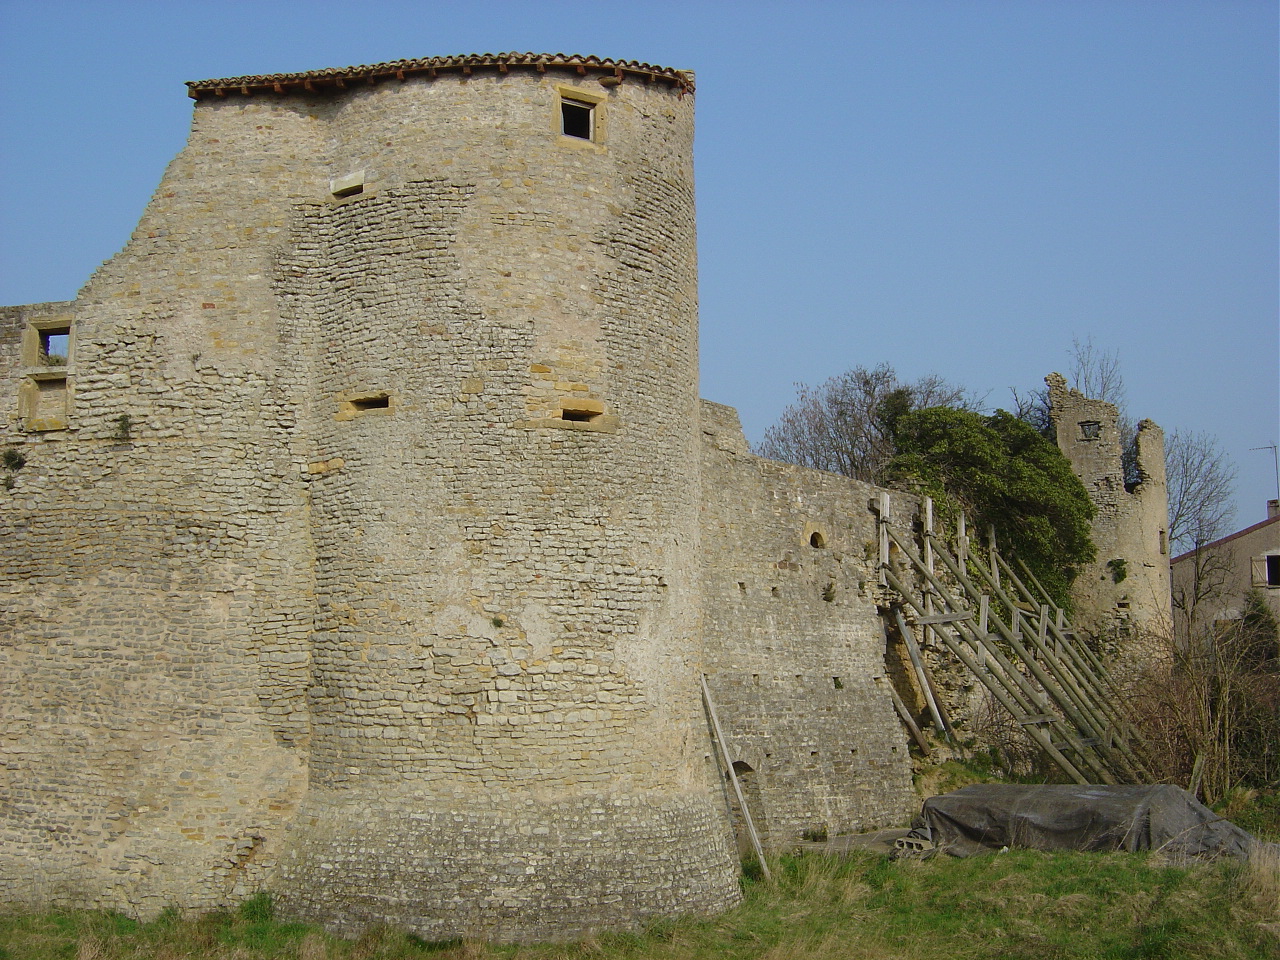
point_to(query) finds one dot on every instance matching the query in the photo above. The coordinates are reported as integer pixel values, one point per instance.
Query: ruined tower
(356, 543)
(1125, 591)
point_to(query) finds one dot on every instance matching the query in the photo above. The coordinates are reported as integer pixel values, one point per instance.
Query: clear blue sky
(954, 187)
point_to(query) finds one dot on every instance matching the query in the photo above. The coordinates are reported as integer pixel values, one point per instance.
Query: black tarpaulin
(1072, 817)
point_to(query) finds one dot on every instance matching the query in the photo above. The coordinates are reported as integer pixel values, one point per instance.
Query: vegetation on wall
(927, 435)
(1004, 474)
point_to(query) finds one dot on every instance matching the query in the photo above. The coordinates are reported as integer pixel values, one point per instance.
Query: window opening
(1273, 570)
(577, 119)
(1090, 429)
(55, 346)
(581, 416)
(817, 540)
(371, 403)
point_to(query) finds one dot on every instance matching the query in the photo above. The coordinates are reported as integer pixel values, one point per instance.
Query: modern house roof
(1227, 539)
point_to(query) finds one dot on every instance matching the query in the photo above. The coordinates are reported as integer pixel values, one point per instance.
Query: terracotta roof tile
(336, 78)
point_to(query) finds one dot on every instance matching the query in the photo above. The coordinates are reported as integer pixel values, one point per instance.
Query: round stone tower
(487, 300)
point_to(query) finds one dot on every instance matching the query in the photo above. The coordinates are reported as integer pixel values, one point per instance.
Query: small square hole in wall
(1090, 429)
(577, 119)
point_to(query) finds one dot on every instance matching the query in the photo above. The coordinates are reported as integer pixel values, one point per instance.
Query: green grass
(1023, 905)
(1255, 811)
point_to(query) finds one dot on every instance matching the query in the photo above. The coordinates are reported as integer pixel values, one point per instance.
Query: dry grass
(1262, 882)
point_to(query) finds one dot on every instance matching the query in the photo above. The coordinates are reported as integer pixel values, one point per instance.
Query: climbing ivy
(1002, 473)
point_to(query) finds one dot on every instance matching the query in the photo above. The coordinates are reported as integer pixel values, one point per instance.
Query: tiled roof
(339, 78)
(1227, 539)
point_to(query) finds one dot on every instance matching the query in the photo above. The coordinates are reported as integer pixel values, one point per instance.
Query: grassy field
(1020, 905)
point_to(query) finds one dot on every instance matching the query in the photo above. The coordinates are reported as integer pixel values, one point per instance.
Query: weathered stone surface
(375, 544)
(1125, 593)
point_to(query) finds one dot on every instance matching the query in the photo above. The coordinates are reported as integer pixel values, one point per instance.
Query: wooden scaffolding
(1006, 630)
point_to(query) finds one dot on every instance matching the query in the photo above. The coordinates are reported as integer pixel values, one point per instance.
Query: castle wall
(795, 648)
(155, 562)
(506, 658)
(1126, 591)
(386, 594)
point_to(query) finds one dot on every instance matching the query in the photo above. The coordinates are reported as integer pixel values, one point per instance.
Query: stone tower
(384, 427)
(1125, 592)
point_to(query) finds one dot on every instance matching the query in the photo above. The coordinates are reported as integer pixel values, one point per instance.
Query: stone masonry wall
(1126, 591)
(385, 594)
(796, 652)
(156, 567)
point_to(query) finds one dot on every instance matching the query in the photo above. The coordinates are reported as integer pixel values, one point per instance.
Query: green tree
(1002, 473)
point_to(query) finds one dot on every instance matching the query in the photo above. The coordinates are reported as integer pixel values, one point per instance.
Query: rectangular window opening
(577, 119)
(361, 404)
(580, 416)
(1090, 429)
(55, 346)
(1273, 570)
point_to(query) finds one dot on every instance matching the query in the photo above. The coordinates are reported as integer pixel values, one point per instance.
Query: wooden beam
(1002, 695)
(913, 650)
(733, 775)
(952, 617)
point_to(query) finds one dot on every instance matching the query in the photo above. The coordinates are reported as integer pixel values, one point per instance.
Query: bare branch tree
(843, 424)
(1096, 373)
(1032, 408)
(1201, 482)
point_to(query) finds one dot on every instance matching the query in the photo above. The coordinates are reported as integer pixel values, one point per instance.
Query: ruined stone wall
(155, 557)
(795, 648)
(386, 593)
(1126, 590)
